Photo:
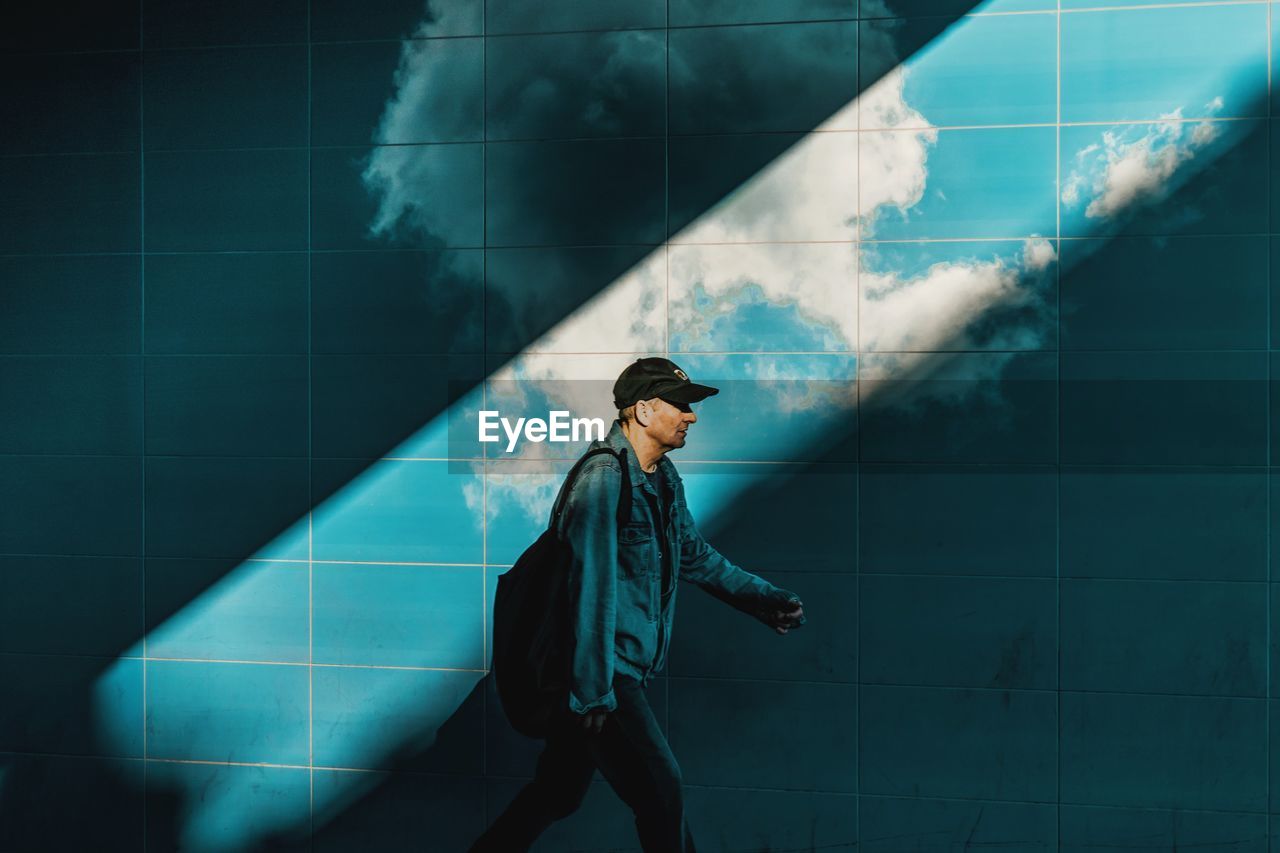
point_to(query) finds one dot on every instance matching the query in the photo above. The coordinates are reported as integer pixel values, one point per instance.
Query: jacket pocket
(635, 550)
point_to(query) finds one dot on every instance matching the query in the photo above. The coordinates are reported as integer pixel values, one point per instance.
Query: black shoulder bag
(532, 628)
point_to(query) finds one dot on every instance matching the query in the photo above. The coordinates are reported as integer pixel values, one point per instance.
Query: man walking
(622, 593)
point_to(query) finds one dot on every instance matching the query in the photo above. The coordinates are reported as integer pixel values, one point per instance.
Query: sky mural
(916, 233)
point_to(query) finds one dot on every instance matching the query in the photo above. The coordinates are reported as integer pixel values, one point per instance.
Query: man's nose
(691, 417)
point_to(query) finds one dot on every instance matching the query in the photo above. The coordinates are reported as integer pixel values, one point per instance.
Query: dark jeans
(632, 755)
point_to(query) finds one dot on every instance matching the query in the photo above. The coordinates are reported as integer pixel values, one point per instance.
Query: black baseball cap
(647, 378)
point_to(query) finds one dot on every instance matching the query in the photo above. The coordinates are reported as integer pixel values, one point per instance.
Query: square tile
(685, 13)
(389, 718)
(772, 820)
(51, 697)
(988, 744)
(578, 299)
(574, 193)
(1147, 293)
(988, 183)
(824, 649)
(71, 305)
(205, 610)
(1164, 637)
(530, 16)
(227, 303)
(984, 70)
(980, 520)
(1111, 830)
(71, 102)
(1146, 64)
(965, 296)
(424, 197)
(572, 85)
(386, 812)
(959, 408)
(396, 512)
(112, 25)
(106, 793)
(1174, 523)
(70, 404)
(397, 302)
(775, 408)
(89, 505)
(897, 824)
(241, 712)
(71, 203)
(1164, 178)
(214, 97)
(391, 93)
(367, 406)
(791, 297)
(740, 508)
(228, 507)
(226, 200)
(388, 615)
(227, 405)
(958, 632)
(1180, 752)
(1164, 408)
(191, 23)
(745, 188)
(774, 77)
(802, 735)
(70, 605)
(229, 804)
(948, 10)
(352, 20)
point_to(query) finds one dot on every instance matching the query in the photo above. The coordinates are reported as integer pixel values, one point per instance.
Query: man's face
(668, 422)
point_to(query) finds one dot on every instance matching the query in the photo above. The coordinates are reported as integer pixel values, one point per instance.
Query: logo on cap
(682, 374)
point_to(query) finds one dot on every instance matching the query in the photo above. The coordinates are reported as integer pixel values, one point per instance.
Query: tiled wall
(249, 252)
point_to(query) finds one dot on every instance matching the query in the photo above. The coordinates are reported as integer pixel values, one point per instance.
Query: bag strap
(624, 499)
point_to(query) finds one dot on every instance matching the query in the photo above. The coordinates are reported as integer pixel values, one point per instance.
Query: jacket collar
(617, 440)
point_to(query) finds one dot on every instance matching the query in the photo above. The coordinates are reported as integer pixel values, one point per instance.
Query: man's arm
(705, 566)
(589, 528)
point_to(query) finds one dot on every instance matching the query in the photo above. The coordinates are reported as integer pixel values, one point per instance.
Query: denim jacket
(615, 577)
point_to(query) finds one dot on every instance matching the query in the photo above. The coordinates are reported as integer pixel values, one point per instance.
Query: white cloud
(1135, 164)
(819, 280)
(935, 311)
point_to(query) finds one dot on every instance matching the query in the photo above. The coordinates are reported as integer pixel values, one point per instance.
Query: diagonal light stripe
(790, 240)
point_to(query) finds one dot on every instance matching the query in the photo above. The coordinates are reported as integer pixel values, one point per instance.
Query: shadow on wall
(964, 445)
(361, 411)
(1011, 427)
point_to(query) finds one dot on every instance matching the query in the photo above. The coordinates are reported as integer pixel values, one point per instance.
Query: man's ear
(642, 418)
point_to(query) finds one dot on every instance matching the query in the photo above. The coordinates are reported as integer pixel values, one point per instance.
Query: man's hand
(784, 612)
(593, 721)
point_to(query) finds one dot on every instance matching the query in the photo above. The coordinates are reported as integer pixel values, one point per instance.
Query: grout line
(310, 664)
(974, 688)
(857, 479)
(507, 777)
(666, 231)
(484, 398)
(674, 244)
(311, 600)
(1136, 6)
(1267, 592)
(1057, 514)
(142, 349)
(798, 133)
